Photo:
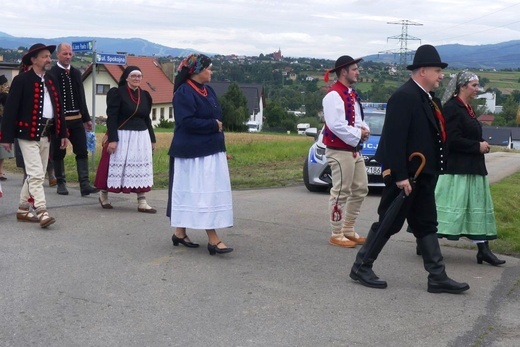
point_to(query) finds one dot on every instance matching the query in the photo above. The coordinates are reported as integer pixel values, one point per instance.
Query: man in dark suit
(414, 123)
(77, 119)
(33, 114)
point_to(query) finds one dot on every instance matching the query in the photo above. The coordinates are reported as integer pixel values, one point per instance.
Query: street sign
(84, 46)
(105, 58)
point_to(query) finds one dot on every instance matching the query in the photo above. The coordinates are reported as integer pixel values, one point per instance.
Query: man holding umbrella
(414, 123)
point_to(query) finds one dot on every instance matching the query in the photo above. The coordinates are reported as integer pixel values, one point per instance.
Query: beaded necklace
(138, 101)
(203, 91)
(468, 108)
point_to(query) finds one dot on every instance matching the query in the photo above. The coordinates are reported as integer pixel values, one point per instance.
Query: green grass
(506, 199)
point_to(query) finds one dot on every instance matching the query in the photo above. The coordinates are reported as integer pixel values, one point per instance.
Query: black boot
(59, 172)
(362, 272)
(84, 182)
(485, 254)
(438, 280)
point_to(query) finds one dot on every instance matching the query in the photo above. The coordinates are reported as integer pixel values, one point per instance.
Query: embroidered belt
(78, 116)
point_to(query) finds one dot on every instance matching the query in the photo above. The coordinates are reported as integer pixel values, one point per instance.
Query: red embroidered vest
(349, 100)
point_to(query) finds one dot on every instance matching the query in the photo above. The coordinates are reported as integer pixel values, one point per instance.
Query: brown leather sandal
(26, 216)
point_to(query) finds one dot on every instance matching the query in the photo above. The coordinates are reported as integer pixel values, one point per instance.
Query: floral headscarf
(191, 65)
(453, 87)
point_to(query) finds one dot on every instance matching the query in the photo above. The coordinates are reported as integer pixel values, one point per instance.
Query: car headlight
(320, 152)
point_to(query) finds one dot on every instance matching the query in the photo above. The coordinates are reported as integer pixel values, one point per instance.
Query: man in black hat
(414, 123)
(344, 132)
(77, 120)
(34, 114)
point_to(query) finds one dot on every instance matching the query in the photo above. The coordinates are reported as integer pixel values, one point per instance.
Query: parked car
(316, 171)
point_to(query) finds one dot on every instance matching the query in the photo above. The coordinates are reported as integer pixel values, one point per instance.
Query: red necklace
(203, 91)
(138, 101)
(468, 108)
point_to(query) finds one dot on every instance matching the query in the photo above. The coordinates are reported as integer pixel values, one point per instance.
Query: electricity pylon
(403, 41)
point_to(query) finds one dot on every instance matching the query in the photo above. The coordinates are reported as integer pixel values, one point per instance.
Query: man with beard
(344, 132)
(34, 114)
(77, 120)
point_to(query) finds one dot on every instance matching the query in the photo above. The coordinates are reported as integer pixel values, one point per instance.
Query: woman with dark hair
(464, 204)
(200, 189)
(128, 166)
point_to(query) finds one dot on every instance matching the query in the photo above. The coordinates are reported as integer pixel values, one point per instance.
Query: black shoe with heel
(213, 249)
(176, 240)
(485, 254)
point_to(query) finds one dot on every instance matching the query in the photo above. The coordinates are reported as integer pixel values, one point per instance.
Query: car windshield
(375, 121)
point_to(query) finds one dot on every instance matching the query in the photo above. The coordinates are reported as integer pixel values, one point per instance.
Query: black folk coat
(464, 137)
(23, 111)
(410, 126)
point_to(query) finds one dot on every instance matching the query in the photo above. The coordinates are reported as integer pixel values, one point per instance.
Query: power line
(472, 20)
(403, 41)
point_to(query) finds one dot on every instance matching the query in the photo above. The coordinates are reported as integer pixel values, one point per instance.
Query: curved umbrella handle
(423, 163)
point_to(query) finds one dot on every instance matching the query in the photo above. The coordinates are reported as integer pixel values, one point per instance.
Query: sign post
(107, 58)
(90, 46)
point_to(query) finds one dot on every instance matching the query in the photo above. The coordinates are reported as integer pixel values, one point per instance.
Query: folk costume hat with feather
(33, 52)
(341, 63)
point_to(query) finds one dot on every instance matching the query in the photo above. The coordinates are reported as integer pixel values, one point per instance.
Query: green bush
(165, 124)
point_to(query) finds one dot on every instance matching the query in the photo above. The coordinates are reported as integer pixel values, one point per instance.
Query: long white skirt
(201, 193)
(131, 166)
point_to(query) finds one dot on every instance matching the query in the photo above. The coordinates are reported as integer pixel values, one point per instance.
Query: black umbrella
(393, 209)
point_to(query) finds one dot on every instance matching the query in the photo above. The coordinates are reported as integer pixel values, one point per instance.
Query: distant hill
(504, 55)
(134, 46)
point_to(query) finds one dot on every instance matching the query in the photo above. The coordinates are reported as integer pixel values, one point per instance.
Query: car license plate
(373, 170)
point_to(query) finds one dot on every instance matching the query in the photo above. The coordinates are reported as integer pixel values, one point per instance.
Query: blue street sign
(117, 59)
(84, 46)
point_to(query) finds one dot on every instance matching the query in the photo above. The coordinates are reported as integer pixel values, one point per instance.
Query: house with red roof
(154, 81)
(486, 119)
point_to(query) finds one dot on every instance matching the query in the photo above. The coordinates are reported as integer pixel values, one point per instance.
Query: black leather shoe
(368, 278)
(447, 286)
(62, 189)
(213, 249)
(485, 254)
(176, 240)
(87, 190)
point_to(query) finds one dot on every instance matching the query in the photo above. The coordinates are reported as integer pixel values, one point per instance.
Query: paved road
(112, 278)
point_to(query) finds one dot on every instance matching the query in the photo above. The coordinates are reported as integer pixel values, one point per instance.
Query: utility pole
(403, 41)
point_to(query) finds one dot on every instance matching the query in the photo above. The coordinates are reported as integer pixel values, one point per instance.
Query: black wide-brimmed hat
(341, 62)
(426, 56)
(33, 51)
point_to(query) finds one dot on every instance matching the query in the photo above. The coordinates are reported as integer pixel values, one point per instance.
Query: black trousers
(77, 138)
(418, 209)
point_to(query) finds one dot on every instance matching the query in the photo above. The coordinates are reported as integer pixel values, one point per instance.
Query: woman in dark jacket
(131, 140)
(200, 188)
(464, 204)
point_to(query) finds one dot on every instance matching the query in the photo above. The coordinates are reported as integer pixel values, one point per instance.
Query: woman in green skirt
(463, 199)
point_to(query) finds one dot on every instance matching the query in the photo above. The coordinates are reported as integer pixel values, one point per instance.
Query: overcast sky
(300, 28)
